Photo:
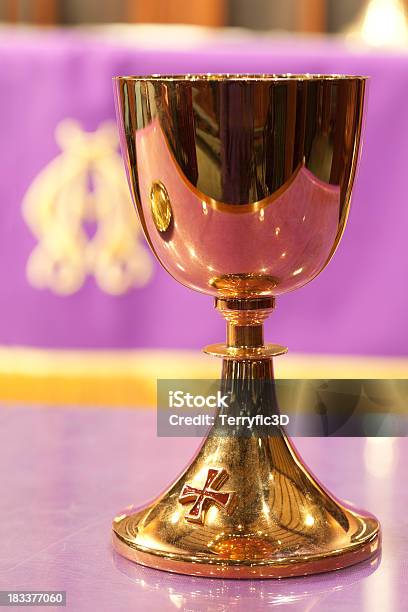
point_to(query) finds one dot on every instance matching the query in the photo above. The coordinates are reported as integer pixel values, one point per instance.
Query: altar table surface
(65, 472)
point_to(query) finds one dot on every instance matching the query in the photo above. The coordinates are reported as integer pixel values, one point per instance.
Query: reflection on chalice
(242, 184)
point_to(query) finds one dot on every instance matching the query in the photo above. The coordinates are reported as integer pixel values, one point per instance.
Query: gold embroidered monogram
(79, 210)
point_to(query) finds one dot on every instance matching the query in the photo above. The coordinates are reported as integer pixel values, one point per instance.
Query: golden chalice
(242, 184)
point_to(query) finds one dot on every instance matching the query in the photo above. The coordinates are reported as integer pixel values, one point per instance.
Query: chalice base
(273, 519)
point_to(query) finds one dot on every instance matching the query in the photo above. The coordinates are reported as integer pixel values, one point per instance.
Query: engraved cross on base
(207, 496)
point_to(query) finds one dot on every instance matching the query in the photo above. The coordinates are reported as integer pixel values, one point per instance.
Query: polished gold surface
(245, 337)
(160, 206)
(242, 184)
(274, 520)
(258, 170)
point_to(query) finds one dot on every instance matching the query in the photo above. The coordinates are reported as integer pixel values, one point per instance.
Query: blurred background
(287, 15)
(88, 318)
(81, 297)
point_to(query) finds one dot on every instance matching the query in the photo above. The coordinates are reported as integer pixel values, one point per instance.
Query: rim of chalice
(209, 76)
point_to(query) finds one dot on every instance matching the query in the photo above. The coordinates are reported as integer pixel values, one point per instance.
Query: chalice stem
(246, 506)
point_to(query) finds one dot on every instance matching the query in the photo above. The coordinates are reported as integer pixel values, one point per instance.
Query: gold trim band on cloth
(128, 377)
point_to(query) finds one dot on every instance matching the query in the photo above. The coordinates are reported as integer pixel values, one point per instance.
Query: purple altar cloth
(357, 305)
(69, 471)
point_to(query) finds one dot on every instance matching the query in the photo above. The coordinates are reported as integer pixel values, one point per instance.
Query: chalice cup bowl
(242, 184)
